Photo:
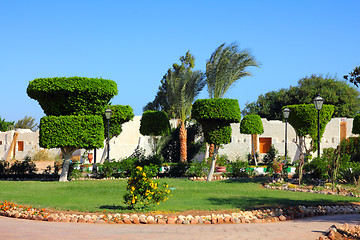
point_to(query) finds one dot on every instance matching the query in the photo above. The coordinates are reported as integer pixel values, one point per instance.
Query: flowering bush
(142, 192)
(277, 166)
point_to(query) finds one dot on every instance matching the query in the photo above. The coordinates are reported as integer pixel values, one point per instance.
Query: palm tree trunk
(211, 150)
(183, 142)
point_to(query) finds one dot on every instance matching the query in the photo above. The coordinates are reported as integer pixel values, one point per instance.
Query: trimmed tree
(252, 124)
(154, 123)
(303, 119)
(215, 116)
(74, 107)
(120, 114)
(356, 125)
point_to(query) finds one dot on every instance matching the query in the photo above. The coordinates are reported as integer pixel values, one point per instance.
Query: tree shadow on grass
(250, 203)
(247, 180)
(113, 207)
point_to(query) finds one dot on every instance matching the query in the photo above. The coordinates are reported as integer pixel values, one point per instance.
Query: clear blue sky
(135, 42)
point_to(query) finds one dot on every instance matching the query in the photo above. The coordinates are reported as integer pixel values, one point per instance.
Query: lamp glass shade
(318, 102)
(108, 113)
(286, 113)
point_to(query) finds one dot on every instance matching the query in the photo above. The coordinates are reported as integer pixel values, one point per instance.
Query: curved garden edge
(9, 209)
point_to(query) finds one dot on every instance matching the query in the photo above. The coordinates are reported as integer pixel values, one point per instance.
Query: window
(20, 146)
(265, 144)
(0, 142)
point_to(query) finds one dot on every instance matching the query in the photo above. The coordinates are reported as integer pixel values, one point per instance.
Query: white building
(21, 142)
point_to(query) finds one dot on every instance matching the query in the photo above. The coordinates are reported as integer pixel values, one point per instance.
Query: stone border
(9, 209)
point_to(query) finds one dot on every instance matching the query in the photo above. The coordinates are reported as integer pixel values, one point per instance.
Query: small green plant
(222, 160)
(142, 192)
(198, 169)
(23, 167)
(74, 171)
(4, 167)
(238, 168)
(270, 155)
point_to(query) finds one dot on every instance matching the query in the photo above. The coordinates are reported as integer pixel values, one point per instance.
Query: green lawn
(96, 196)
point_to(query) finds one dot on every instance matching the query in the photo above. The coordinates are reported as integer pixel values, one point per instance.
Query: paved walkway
(306, 228)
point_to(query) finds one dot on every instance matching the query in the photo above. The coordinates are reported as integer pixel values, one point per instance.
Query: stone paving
(305, 228)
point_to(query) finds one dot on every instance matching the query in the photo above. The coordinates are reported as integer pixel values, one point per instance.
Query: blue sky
(135, 42)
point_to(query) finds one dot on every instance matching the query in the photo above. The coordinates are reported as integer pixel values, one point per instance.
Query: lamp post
(286, 113)
(108, 114)
(318, 102)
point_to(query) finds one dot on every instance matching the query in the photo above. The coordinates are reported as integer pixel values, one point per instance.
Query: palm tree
(182, 87)
(225, 66)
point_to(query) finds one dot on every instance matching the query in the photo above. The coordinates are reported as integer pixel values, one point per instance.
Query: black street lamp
(108, 114)
(286, 113)
(318, 102)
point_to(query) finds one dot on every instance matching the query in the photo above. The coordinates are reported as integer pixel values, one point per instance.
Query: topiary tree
(252, 124)
(120, 114)
(215, 116)
(154, 123)
(356, 125)
(303, 119)
(71, 105)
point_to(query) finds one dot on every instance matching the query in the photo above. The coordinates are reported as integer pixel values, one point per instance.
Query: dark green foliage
(344, 97)
(217, 132)
(171, 151)
(120, 114)
(215, 116)
(198, 169)
(270, 155)
(23, 167)
(238, 168)
(4, 167)
(251, 124)
(354, 76)
(356, 125)
(73, 95)
(351, 147)
(154, 123)
(350, 172)
(179, 170)
(303, 118)
(4, 125)
(81, 131)
(223, 109)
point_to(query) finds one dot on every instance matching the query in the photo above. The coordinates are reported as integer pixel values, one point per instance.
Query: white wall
(125, 144)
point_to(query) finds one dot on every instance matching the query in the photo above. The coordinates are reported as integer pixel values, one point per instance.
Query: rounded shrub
(154, 123)
(251, 124)
(356, 125)
(72, 95)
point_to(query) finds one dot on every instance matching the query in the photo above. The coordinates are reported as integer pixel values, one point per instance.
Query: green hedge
(356, 125)
(217, 132)
(216, 109)
(120, 114)
(303, 118)
(154, 123)
(72, 95)
(251, 124)
(215, 116)
(81, 131)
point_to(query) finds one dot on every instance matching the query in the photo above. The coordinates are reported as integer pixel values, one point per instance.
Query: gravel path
(305, 228)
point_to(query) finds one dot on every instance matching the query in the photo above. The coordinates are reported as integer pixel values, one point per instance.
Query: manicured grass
(96, 196)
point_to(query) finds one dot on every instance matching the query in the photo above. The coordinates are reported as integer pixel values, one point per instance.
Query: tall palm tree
(225, 66)
(183, 86)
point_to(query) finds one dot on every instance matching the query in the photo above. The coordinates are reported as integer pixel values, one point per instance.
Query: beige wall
(125, 144)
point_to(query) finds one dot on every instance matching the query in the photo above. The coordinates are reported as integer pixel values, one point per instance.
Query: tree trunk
(253, 147)
(301, 158)
(103, 157)
(66, 153)
(213, 161)
(183, 142)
